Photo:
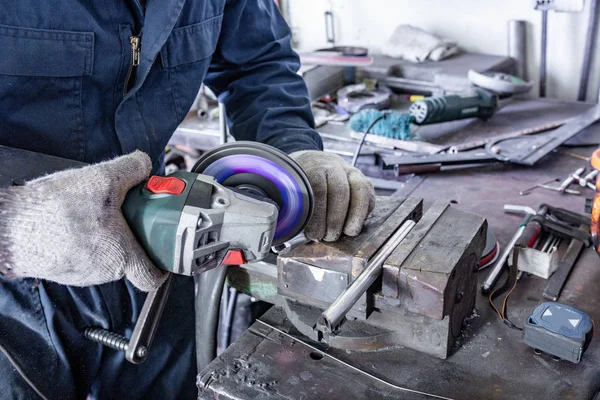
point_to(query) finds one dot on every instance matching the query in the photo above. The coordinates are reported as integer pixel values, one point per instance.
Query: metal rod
(556, 189)
(590, 37)
(222, 124)
(554, 244)
(543, 54)
(333, 316)
(525, 192)
(517, 48)
(546, 245)
(491, 279)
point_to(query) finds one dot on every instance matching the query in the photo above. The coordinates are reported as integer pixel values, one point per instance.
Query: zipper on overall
(134, 43)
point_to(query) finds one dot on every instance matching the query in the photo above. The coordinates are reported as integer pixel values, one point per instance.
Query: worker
(91, 81)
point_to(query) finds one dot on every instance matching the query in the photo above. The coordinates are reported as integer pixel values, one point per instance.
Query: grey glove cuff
(68, 227)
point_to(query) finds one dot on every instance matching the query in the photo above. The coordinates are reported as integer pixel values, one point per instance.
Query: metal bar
(543, 54)
(222, 124)
(491, 279)
(517, 46)
(147, 323)
(547, 243)
(565, 266)
(467, 157)
(590, 37)
(332, 317)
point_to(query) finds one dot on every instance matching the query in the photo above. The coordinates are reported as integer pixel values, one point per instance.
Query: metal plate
(299, 280)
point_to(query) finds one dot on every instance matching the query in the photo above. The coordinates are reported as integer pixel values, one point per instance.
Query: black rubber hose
(208, 302)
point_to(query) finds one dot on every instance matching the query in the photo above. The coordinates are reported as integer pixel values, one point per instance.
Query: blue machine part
(562, 319)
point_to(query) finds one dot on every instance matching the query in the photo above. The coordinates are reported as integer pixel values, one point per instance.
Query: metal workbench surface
(272, 360)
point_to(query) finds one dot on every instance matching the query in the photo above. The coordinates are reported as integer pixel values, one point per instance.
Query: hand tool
(500, 83)
(239, 200)
(526, 234)
(562, 331)
(570, 179)
(561, 224)
(586, 181)
(557, 189)
(525, 192)
(431, 110)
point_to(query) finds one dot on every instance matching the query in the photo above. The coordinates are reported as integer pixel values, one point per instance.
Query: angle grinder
(239, 200)
(479, 103)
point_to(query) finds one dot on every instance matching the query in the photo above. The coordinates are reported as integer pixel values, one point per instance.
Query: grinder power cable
(239, 200)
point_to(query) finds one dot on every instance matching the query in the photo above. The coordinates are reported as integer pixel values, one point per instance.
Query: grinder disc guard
(260, 169)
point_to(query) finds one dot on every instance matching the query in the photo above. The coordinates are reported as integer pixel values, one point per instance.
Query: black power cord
(364, 136)
(208, 302)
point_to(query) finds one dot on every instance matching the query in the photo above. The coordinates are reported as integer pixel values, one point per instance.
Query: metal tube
(222, 124)
(547, 243)
(517, 48)
(333, 316)
(590, 37)
(543, 53)
(491, 279)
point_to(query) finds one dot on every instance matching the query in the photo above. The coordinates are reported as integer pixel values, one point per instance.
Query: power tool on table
(239, 200)
(480, 103)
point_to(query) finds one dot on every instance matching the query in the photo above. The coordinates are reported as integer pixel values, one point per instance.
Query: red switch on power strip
(162, 185)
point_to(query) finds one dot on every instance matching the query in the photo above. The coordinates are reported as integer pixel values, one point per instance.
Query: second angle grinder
(239, 200)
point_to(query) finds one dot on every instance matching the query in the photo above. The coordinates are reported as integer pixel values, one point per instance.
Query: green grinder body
(478, 104)
(154, 218)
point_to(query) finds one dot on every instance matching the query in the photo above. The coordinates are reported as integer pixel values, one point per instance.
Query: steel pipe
(332, 317)
(517, 46)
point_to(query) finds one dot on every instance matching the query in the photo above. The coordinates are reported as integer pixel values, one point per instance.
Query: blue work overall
(68, 88)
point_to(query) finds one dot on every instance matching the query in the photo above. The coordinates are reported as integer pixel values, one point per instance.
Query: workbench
(273, 360)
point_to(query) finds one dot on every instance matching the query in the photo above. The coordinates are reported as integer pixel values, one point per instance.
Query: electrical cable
(363, 372)
(512, 276)
(18, 368)
(229, 316)
(208, 302)
(364, 136)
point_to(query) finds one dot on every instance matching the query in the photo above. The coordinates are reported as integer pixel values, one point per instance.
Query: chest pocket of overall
(186, 56)
(41, 74)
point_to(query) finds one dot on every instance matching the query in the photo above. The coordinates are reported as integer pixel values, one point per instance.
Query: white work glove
(344, 198)
(67, 227)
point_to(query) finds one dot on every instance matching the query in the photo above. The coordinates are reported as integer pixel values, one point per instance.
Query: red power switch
(234, 257)
(168, 185)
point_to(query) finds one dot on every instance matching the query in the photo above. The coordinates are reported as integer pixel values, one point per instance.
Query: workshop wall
(477, 26)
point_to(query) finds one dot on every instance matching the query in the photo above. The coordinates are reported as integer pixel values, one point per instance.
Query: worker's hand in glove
(67, 227)
(343, 196)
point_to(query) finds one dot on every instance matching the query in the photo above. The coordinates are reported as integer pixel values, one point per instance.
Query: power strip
(566, 6)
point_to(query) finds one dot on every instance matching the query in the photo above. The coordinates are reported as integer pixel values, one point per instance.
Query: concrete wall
(477, 26)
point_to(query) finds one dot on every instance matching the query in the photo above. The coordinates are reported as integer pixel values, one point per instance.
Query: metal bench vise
(426, 289)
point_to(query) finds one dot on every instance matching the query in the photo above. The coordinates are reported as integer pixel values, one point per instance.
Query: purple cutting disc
(290, 213)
